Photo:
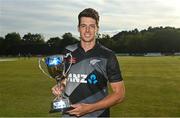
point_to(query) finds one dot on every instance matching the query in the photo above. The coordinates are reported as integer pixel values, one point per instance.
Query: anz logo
(92, 79)
(82, 78)
(79, 78)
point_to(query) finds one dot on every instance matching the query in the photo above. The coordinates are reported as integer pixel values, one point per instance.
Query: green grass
(24, 90)
(152, 88)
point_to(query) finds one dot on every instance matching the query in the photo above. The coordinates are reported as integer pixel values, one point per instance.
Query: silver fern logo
(94, 61)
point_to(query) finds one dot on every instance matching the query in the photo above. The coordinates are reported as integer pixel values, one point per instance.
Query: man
(93, 67)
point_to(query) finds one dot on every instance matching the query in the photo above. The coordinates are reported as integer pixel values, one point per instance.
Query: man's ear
(97, 30)
(78, 28)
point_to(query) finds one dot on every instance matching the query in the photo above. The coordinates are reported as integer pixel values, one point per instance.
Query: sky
(53, 18)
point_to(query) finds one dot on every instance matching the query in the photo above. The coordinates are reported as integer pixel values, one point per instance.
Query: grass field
(152, 88)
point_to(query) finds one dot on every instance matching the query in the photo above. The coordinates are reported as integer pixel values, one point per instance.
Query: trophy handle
(40, 67)
(67, 55)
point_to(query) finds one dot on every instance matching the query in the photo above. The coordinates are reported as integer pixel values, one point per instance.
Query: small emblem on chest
(94, 61)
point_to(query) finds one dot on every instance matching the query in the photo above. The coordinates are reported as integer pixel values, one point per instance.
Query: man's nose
(87, 29)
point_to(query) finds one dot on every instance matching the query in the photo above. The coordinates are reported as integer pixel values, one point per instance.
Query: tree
(33, 38)
(33, 44)
(54, 45)
(67, 39)
(107, 41)
(11, 43)
(1, 45)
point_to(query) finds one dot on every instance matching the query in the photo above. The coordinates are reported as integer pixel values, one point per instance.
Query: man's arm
(117, 95)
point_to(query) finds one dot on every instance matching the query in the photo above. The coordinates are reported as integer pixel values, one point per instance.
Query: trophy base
(62, 110)
(60, 105)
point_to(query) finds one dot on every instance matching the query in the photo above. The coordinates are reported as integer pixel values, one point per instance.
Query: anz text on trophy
(55, 67)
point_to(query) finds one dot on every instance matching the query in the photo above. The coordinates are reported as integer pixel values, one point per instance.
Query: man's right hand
(57, 90)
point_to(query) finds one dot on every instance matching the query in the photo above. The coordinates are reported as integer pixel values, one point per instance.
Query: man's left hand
(80, 109)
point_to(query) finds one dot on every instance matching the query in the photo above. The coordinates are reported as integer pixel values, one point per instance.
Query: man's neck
(87, 45)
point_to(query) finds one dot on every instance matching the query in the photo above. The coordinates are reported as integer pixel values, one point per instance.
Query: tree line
(151, 40)
(33, 44)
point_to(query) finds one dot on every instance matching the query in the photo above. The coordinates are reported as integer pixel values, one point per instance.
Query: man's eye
(92, 26)
(82, 26)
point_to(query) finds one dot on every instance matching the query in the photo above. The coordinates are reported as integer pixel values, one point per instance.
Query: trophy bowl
(55, 67)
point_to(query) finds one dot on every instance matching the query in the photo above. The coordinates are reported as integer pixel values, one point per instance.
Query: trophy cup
(55, 67)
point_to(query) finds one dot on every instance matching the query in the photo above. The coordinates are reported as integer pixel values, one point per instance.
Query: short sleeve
(113, 69)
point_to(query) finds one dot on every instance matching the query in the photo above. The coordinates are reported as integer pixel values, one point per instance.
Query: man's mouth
(87, 35)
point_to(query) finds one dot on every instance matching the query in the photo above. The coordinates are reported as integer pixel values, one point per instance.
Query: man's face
(87, 29)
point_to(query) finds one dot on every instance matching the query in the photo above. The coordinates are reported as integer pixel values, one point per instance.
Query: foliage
(157, 39)
(33, 44)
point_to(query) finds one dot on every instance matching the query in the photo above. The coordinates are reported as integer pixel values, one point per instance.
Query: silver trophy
(55, 67)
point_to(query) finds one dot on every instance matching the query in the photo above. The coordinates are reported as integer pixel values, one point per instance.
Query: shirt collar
(91, 50)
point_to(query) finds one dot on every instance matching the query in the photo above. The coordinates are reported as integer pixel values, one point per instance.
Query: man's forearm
(115, 97)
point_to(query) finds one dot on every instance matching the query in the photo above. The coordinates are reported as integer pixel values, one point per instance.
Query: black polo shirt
(89, 75)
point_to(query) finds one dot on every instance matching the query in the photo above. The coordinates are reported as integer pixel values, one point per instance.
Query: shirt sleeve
(113, 69)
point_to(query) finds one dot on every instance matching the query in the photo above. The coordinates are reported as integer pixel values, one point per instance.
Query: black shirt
(89, 75)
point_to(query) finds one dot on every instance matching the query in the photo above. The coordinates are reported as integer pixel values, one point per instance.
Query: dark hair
(89, 12)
